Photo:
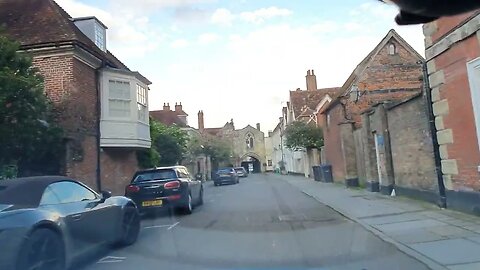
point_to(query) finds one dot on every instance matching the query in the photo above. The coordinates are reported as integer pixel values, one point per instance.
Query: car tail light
(173, 184)
(175, 197)
(133, 189)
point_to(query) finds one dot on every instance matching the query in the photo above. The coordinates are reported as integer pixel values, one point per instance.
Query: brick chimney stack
(311, 81)
(166, 106)
(201, 123)
(178, 107)
(258, 126)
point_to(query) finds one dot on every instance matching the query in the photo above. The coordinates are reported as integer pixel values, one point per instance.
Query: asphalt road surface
(261, 223)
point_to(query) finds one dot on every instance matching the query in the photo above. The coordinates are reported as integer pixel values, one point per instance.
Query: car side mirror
(105, 195)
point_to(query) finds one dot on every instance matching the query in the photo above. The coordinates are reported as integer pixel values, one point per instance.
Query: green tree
(301, 135)
(169, 145)
(29, 136)
(218, 149)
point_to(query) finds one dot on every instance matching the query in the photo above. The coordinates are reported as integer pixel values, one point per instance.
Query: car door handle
(77, 217)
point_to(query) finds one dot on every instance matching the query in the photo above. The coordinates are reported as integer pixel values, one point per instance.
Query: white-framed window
(392, 50)
(100, 37)
(473, 68)
(119, 99)
(142, 103)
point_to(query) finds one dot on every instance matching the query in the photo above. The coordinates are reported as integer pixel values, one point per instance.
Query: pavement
(440, 238)
(265, 222)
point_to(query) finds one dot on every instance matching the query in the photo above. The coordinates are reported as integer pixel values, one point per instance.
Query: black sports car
(166, 187)
(47, 222)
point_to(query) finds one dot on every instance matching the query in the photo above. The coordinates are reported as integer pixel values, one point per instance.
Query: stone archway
(251, 162)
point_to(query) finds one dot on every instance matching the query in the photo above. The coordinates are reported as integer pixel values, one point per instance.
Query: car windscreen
(224, 171)
(239, 169)
(164, 174)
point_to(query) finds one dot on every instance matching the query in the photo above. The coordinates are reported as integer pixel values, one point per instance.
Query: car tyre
(43, 249)
(188, 209)
(130, 227)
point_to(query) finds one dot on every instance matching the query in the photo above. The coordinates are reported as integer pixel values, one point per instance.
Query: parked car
(226, 176)
(48, 222)
(241, 172)
(166, 187)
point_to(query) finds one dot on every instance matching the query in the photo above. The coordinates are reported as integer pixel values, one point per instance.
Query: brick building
(392, 71)
(304, 105)
(169, 117)
(453, 62)
(100, 103)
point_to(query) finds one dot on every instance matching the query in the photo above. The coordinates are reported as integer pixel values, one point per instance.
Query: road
(261, 223)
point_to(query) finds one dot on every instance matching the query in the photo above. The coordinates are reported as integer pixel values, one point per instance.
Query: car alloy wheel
(42, 250)
(130, 226)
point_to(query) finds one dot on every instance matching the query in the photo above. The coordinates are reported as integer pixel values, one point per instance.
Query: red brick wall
(118, 168)
(461, 116)
(399, 71)
(333, 145)
(446, 24)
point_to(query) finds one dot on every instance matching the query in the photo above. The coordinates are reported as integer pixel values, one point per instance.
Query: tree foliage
(29, 137)
(300, 135)
(169, 145)
(218, 149)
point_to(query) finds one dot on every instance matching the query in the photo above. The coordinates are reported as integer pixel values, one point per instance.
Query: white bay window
(124, 121)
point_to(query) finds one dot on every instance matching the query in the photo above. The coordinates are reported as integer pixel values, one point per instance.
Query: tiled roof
(41, 23)
(213, 131)
(167, 118)
(301, 99)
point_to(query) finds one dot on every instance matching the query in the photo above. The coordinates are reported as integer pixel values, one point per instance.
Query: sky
(239, 59)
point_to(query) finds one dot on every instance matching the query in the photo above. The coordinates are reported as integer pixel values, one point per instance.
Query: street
(261, 223)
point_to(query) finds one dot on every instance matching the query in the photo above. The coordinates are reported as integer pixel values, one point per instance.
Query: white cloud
(222, 16)
(260, 15)
(179, 44)
(207, 38)
(128, 35)
(225, 17)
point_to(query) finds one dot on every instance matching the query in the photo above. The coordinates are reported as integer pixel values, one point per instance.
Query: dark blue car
(226, 176)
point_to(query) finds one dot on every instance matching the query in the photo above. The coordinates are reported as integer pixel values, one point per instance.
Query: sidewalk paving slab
(440, 238)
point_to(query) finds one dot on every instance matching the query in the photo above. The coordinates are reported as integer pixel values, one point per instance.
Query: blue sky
(239, 59)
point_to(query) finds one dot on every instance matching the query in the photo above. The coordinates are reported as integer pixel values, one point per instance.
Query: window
(249, 140)
(142, 103)
(100, 37)
(474, 79)
(119, 99)
(155, 175)
(182, 173)
(66, 192)
(269, 162)
(328, 119)
(391, 49)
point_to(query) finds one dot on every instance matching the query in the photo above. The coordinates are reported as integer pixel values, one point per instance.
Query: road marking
(111, 259)
(156, 226)
(173, 225)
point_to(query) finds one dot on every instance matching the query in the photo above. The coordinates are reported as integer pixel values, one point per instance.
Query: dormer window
(94, 29)
(100, 37)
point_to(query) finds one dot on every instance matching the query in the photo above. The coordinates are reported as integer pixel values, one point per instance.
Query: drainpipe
(433, 130)
(98, 108)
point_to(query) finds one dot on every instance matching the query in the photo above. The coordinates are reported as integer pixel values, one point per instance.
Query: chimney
(166, 106)
(270, 133)
(258, 126)
(311, 81)
(178, 107)
(201, 123)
